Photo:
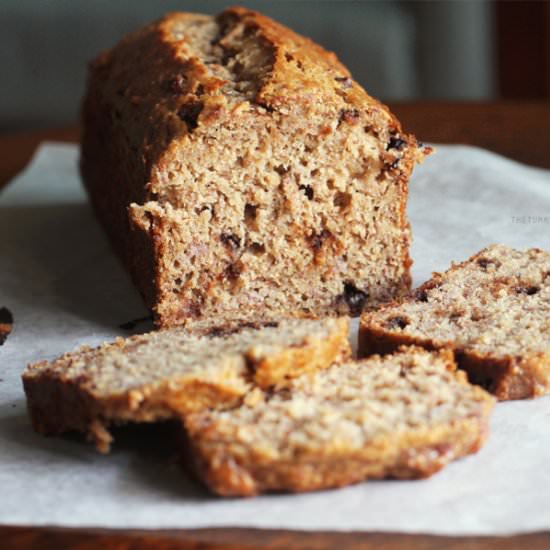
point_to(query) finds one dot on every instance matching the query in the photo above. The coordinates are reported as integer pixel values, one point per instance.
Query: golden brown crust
(295, 361)
(504, 375)
(404, 458)
(57, 405)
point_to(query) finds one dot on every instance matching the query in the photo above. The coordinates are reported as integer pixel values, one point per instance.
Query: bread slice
(402, 416)
(169, 373)
(242, 175)
(493, 311)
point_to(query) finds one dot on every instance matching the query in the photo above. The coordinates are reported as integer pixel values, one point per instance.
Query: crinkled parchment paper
(64, 287)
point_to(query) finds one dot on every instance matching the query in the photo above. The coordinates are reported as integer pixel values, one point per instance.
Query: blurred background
(398, 50)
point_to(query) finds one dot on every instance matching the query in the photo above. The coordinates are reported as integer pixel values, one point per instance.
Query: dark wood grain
(248, 539)
(17, 149)
(518, 130)
(523, 48)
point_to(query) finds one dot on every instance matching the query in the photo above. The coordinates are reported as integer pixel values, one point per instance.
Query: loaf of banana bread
(242, 174)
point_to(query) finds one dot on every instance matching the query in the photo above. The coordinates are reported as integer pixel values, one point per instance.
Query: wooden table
(518, 130)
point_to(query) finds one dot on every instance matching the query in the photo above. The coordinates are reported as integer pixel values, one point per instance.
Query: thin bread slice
(493, 311)
(401, 416)
(169, 373)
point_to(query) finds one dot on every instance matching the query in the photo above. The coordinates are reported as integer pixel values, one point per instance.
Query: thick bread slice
(403, 416)
(169, 373)
(493, 310)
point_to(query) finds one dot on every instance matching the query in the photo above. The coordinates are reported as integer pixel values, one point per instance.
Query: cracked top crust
(188, 72)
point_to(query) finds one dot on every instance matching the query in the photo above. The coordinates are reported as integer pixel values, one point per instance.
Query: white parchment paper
(64, 287)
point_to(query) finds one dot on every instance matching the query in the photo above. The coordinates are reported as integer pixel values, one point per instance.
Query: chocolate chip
(281, 170)
(355, 298)
(350, 116)
(130, 325)
(316, 240)
(528, 290)
(178, 85)
(345, 82)
(483, 263)
(227, 331)
(230, 240)
(220, 331)
(397, 322)
(342, 200)
(395, 143)
(256, 248)
(268, 108)
(421, 296)
(307, 190)
(233, 271)
(237, 68)
(250, 216)
(486, 383)
(228, 54)
(192, 307)
(189, 113)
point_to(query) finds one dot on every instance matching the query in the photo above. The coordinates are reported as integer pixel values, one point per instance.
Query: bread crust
(57, 405)
(311, 356)
(131, 128)
(506, 376)
(407, 458)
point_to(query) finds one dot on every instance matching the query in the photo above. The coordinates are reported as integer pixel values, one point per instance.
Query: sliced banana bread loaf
(493, 310)
(404, 416)
(242, 174)
(168, 373)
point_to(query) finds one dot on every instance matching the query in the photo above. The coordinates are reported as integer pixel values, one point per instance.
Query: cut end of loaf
(268, 184)
(493, 311)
